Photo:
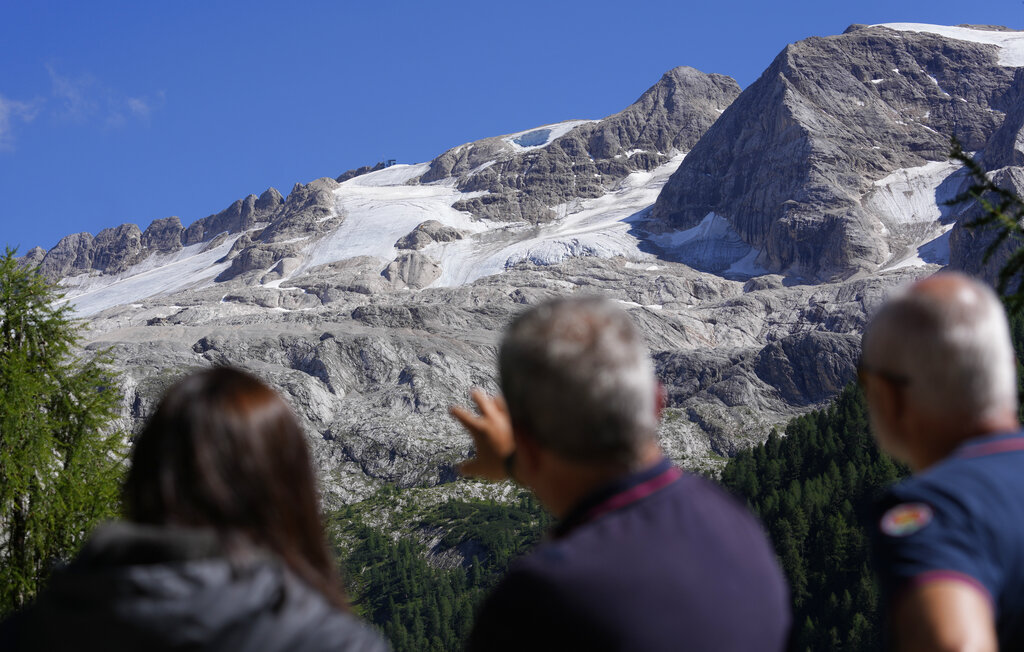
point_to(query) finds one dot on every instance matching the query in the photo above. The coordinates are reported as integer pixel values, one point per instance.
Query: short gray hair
(578, 379)
(955, 350)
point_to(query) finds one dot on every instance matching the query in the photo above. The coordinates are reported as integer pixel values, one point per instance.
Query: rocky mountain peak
(241, 215)
(307, 212)
(32, 257)
(671, 115)
(117, 249)
(524, 176)
(163, 235)
(269, 201)
(71, 256)
(792, 164)
(304, 212)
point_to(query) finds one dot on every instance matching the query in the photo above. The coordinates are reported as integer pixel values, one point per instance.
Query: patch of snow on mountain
(634, 304)
(379, 208)
(601, 227)
(933, 252)
(936, 251)
(941, 90)
(378, 215)
(910, 203)
(481, 167)
(1011, 44)
(395, 175)
(541, 136)
(712, 245)
(746, 266)
(158, 274)
(911, 195)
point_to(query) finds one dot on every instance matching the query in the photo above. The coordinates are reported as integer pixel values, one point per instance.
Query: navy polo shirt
(659, 560)
(962, 519)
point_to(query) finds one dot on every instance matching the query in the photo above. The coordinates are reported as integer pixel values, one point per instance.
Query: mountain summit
(824, 164)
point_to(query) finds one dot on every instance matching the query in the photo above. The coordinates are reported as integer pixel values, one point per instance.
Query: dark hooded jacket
(136, 587)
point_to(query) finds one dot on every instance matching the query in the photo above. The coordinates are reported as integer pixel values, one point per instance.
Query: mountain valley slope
(748, 233)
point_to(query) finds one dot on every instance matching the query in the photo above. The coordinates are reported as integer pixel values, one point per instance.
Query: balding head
(947, 337)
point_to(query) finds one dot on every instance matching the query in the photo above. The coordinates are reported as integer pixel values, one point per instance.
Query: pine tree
(60, 458)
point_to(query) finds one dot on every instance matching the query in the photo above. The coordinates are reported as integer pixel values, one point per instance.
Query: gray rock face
(307, 211)
(1003, 156)
(117, 249)
(269, 201)
(591, 158)
(1006, 146)
(413, 270)
(426, 233)
(790, 161)
(344, 280)
(248, 257)
(111, 251)
(33, 258)
(969, 246)
(71, 256)
(242, 215)
(811, 367)
(371, 374)
(358, 172)
(284, 268)
(163, 236)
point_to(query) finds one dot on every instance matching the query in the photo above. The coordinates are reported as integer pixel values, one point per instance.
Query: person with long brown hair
(223, 546)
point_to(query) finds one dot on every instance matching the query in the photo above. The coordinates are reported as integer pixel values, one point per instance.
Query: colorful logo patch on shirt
(906, 519)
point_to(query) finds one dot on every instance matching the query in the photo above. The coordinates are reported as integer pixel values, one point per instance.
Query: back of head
(577, 378)
(224, 451)
(948, 335)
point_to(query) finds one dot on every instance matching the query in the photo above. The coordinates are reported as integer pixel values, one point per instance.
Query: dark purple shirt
(659, 560)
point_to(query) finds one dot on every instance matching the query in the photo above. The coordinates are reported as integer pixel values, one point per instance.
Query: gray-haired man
(645, 557)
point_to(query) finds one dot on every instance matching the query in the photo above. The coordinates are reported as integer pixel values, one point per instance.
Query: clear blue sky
(115, 112)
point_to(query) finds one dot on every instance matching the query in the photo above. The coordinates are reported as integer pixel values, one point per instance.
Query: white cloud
(81, 99)
(11, 112)
(139, 106)
(85, 99)
(76, 98)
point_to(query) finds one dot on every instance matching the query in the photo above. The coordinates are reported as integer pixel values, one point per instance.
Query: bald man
(939, 374)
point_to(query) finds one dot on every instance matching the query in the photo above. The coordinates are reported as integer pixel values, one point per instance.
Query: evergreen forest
(429, 607)
(814, 489)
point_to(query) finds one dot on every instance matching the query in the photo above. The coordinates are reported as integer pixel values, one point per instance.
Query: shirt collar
(1003, 442)
(617, 494)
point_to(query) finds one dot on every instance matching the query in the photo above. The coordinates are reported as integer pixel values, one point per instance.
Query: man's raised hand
(492, 434)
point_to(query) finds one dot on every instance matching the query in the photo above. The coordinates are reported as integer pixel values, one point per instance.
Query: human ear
(660, 400)
(529, 457)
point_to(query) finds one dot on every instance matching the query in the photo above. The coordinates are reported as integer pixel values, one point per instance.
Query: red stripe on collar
(639, 492)
(992, 447)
